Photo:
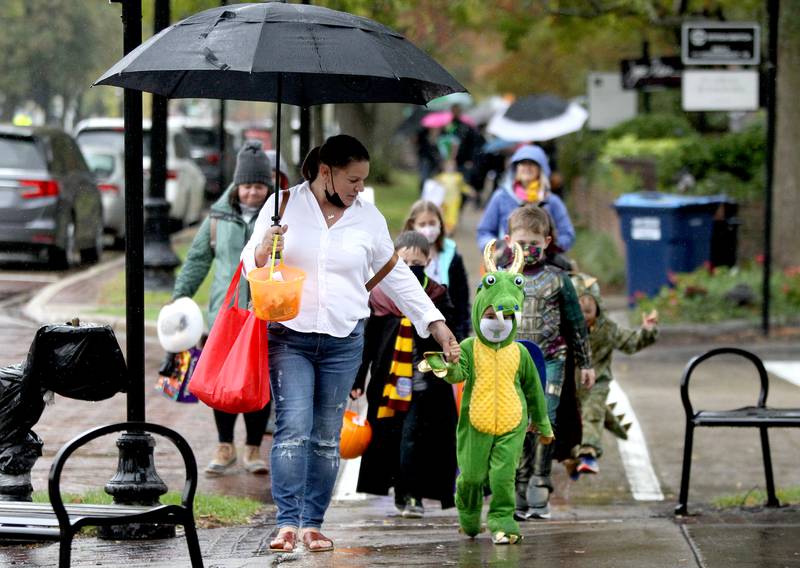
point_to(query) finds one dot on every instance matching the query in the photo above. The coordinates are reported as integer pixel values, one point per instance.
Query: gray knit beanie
(252, 165)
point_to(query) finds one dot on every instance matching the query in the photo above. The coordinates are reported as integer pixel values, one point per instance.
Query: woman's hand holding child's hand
(444, 337)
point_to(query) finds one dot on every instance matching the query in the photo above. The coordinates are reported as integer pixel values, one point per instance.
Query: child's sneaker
(223, 460)
(588, 465)
(541, 513)
(413, 509)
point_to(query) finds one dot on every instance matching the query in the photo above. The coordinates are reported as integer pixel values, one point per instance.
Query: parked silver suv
(49, 201)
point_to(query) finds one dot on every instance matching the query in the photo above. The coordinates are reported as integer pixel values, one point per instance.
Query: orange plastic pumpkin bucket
(276, 299)
(356, 435)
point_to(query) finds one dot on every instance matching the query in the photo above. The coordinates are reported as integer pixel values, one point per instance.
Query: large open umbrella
(285, 53)
(298, 54)
(538, 118)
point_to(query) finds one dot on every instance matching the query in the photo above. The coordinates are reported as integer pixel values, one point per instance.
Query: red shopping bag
(232, 374)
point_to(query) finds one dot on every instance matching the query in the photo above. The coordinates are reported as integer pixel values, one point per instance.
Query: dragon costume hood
(503, 291)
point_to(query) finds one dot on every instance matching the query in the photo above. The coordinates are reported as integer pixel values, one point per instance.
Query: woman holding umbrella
(314, 358)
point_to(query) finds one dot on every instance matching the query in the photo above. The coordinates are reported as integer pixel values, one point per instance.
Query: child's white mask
(430, 232)
(496, 330)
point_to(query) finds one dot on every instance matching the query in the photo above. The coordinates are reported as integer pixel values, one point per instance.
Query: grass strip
(210, 510)
(756, 497)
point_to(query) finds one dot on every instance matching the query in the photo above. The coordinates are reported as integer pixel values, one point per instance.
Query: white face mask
(496, 330)
(430, 232)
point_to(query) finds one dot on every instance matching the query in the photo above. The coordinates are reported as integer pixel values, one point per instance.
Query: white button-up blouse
(338, 261)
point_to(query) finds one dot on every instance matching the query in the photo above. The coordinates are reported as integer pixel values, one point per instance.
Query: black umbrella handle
(276, 219)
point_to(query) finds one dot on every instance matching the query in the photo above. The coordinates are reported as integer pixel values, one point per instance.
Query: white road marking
(787, 370)
(633, 451)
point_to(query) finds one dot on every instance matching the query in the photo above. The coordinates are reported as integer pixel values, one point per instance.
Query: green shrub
(651, 126)
(711, 295)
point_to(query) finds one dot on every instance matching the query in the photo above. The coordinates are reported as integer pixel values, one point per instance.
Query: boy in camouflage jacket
(604, 336)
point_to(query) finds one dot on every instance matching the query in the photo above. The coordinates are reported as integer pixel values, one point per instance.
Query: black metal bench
(57, 521)
(759, 416)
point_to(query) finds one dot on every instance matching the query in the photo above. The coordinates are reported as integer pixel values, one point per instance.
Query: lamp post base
(136, 483)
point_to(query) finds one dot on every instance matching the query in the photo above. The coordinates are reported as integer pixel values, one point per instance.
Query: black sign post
(720, 43)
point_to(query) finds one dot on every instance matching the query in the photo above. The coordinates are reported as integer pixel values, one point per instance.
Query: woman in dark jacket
(220, 241)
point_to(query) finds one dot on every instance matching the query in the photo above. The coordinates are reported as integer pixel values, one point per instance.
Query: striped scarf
(397, 390)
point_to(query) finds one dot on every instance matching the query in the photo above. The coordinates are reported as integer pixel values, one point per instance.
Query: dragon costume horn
(488, 256)
(519, 259)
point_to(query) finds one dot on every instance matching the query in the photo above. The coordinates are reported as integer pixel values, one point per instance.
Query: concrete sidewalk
(585, 531)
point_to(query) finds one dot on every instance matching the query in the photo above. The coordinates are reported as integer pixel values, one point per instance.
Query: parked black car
(49, 200)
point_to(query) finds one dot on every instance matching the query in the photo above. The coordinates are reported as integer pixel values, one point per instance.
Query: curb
(38, 309)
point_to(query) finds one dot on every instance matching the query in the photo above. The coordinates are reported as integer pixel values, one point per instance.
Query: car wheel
(64, 258)
(93, 254)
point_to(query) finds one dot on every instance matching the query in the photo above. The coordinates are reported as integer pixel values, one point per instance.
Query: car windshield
(111, 139)
(20, 153)
(101, 164)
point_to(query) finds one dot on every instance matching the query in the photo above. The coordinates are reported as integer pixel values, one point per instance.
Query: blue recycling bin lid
(658, 200)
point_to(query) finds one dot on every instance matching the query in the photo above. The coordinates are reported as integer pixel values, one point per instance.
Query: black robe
(414, 452)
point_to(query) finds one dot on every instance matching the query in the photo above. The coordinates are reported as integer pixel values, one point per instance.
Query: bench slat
(750, 416)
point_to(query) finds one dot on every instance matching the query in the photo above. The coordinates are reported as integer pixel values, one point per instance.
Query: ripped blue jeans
(311, 375)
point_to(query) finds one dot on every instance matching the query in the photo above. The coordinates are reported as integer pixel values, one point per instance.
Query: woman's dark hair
(412, 240)
(337, 152)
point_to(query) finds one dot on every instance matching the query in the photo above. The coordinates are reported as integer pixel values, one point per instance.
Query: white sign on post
(609, 103)
(719, 90)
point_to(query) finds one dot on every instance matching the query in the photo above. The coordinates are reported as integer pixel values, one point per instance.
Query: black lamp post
(136, 481)
(160, 260)
(223, 150)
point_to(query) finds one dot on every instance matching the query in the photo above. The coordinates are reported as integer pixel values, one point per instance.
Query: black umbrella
(539, 118)
(285, 53)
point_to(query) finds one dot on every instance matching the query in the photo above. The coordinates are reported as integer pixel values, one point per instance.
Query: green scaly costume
(501, 395)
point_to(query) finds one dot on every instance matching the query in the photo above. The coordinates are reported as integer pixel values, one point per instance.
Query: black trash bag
(83, 362)
(21, 404)
(19, 458)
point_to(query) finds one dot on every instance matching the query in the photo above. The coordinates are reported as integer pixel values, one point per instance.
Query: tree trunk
(786, 229)
(374, 125)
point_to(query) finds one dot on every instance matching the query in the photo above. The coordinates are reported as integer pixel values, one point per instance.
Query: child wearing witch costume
(412, 414)
(502, 400)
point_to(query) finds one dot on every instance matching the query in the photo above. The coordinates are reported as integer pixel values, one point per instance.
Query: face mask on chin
(496, 330)
(333, 198)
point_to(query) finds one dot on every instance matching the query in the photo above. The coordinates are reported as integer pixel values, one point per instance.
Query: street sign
(720, 43)
(609, 103)
(651, 72)
(720, 90)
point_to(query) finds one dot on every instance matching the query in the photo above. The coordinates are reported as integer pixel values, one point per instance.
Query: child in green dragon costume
(502, 399)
